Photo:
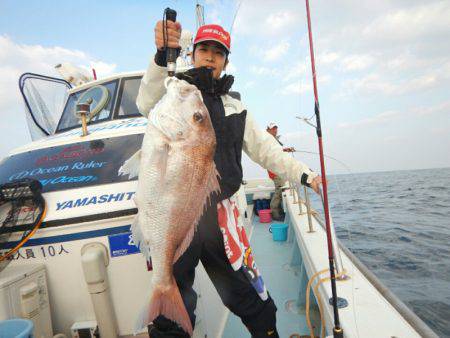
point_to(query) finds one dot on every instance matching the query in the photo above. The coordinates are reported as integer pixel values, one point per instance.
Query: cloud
(16, 59)
(397, 48)
(411, 23)
(393, 139)
(298, 87)
(439, 131)
(265, 18)
(375, 84)
(327, 57)
(297, 137)
(357, 62)
(383, 117)
(299, 70)
(276, 51)
(264, 71)
(280, 20)
(303, 85)
(213, 15)
(102, 69)
(442, 107)
(407, 113)
(249, 84)
(231, 68)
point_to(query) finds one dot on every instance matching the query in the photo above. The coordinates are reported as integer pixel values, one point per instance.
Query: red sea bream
(177, 175)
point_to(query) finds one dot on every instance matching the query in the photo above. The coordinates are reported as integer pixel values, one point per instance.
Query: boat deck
(282, 282)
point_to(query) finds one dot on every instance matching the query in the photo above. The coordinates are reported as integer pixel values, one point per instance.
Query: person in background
(275, 203)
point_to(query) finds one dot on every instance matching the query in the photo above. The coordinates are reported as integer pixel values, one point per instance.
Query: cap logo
(215, 31)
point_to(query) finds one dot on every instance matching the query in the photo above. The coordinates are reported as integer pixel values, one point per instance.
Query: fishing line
(329, 157)
(347, 228)
(235, 16)
(164, 30)
(351, 243)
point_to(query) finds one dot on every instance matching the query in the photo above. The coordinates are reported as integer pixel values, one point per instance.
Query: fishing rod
(337, 330)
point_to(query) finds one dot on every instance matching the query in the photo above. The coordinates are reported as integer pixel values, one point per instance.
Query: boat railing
(422, 328)
(310, 212)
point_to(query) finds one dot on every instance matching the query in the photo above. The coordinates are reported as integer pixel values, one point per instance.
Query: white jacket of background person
(259, 145)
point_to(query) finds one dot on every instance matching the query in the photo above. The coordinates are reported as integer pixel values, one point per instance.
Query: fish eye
(198, 117)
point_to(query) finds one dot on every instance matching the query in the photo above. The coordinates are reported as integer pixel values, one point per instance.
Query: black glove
(161, 57)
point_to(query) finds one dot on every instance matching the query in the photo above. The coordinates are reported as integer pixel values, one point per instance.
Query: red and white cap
(213, 33)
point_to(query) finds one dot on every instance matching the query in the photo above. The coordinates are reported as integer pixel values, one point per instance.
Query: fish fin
(165, 300)
(213, 181)
(161, 157)
(184, 244)
(138, 238)
(131, 166)
(212, 185)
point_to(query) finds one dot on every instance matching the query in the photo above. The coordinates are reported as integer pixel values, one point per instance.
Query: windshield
(44, 99)
(69, 120)
(128, 93)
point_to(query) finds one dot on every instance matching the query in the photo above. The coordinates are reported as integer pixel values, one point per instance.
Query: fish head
(183, 115)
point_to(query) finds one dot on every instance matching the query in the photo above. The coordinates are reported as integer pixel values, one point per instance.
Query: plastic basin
(16, 328)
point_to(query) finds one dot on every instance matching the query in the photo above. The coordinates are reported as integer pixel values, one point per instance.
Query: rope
(308, 291)
(319, 301)
(26, 238)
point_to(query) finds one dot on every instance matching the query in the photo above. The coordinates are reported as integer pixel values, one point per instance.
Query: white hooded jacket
(259, 145)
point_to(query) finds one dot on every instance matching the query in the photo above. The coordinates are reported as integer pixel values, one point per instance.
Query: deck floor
(281, 281)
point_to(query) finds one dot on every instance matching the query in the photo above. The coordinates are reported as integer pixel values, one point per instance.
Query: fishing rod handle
(171, 53)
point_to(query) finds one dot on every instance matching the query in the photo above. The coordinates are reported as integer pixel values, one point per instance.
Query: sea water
(398, 224)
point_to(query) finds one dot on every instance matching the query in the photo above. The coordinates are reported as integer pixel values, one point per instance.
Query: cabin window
(128, 93)
(70, 121)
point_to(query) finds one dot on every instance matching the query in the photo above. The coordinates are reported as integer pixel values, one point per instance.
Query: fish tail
(166, 301)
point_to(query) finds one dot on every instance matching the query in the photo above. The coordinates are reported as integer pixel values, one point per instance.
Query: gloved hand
(316, 183)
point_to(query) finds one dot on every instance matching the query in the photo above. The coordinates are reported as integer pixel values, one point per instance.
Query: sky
(383, 68)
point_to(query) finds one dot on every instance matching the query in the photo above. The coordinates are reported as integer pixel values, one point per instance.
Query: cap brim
(212, 39)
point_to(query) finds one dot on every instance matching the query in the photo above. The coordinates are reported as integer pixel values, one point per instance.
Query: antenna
(200, 12)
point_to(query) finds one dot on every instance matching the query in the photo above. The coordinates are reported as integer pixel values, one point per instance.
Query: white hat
(272, 125)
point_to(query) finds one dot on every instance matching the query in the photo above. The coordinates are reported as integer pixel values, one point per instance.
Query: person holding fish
(189, 171)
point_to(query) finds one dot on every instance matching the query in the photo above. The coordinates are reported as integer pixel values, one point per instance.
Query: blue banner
(73, 166)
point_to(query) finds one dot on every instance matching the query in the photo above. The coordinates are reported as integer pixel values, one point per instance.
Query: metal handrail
(308, 209)
(300, 209)
(417, 323)
(295, 195)
(340, 270)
